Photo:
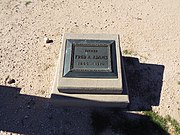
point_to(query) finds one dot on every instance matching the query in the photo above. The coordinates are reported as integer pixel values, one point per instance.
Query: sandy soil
(148, 28)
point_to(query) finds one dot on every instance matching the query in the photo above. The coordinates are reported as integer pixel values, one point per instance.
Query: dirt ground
(149, 31)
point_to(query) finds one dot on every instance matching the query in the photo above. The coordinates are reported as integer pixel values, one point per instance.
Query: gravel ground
(150, 34)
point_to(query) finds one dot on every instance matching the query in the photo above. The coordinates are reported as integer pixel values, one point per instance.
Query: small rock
(11, 81)
(47, 40)
(28, 106)
(26, 116)
(138, 18)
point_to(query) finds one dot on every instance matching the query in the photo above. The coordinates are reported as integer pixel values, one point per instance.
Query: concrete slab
(86, 99)
(89, 84)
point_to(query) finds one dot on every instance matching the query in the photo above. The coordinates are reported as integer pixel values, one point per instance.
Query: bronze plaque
(95, 58)
(90, 58)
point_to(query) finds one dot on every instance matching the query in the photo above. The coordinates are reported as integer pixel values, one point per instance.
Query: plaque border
(67, 68)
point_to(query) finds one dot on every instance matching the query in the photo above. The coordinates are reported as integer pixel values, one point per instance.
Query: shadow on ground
(25, 114)
(144, 83)
(118, 122)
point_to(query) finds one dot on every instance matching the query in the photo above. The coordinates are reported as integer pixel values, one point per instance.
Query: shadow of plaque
(144, 83)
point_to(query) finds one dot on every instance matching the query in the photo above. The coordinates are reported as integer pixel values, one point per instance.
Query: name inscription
(91, 58)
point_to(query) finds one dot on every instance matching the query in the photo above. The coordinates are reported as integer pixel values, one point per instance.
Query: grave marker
(90, 71)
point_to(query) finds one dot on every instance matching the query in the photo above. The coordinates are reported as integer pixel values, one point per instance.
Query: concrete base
(89, 85)
(93, 100)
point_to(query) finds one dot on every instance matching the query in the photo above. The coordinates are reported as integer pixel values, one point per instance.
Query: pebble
(11, 81)
(47, 40)
(26, 116)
